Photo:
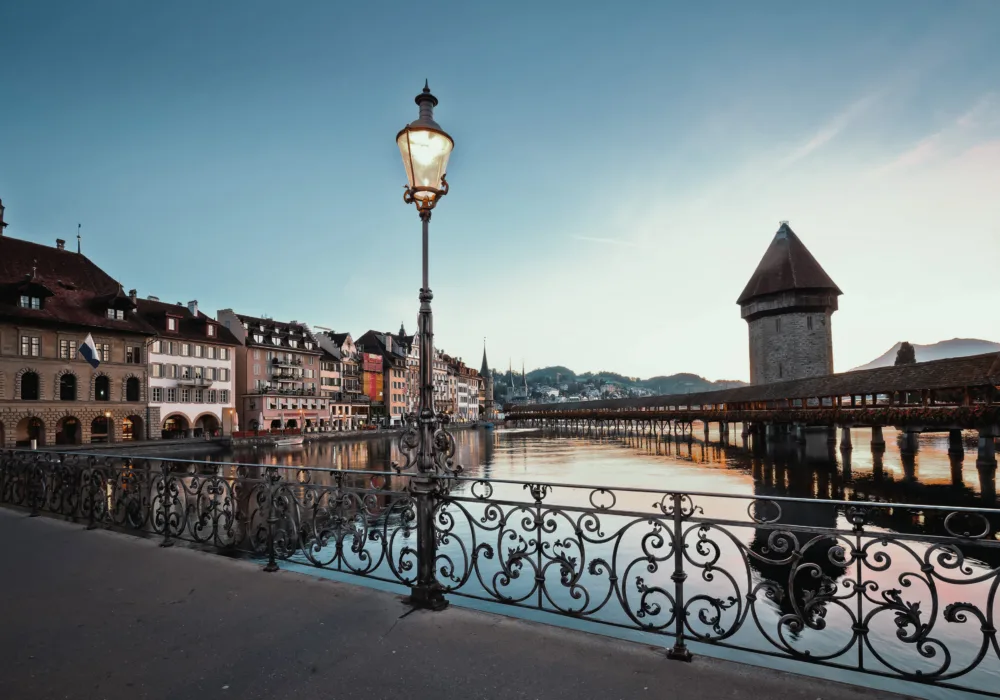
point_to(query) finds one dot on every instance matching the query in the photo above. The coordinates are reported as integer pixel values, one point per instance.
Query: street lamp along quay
(425, 443)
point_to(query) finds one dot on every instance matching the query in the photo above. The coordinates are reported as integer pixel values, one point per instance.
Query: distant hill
(956, 347)
(682, 383)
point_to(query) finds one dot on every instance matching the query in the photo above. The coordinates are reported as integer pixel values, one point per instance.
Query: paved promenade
(98, 615)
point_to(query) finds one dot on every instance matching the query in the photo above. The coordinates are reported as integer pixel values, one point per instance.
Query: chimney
(60, 244)
(193, 307)
(132, 294)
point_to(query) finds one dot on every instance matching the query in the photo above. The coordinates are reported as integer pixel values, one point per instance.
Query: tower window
(777, 325)
(781, 372)
(809, 322)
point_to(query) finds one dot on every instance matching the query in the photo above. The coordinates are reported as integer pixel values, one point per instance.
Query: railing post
(428, 592)
(679, 651)
(272, 519)
(92, 492)
(165, 503)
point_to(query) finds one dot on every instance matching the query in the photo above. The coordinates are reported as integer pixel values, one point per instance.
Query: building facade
(277, 374)
(486, 400)
(191, 367)
(788, 305)
(50, 300)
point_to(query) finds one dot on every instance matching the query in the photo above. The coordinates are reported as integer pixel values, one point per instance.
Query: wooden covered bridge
(948, 395)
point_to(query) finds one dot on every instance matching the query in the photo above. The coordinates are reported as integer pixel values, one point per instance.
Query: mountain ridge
(955, 347)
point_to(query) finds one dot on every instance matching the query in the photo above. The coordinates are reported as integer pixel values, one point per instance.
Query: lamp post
(425, 148)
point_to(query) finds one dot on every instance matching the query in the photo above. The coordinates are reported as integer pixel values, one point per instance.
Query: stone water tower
(788, 304)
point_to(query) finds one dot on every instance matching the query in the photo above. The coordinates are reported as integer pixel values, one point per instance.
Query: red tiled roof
(81, 291)
(189, 326)
(787, 264)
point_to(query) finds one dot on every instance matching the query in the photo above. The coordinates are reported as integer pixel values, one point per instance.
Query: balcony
(202, 382)
(286, 376)
(290, 364)
(281, 391)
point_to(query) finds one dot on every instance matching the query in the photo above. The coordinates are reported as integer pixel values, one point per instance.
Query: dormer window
(29, 302)
(171, 324)
(211, 331)
(309, 346)
(258, 338)
(293, 343)
(116, 314)
(276, 340)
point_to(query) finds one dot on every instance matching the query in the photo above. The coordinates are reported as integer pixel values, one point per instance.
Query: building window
(777, 325)
(292, 343)
(275, 340)
(210, 352)
(157, 370)
(67, 349)
(781, 372)
(224, 353)
(809, 322)
(185, 395)
(223, 375)
(171, 371)
(30, 389)
(212, 396)
(31, 346)
(67, 387)
(256, 369)
(157, 345)
(132, 389)
(171, 395)
(157, 394)
(102, 388)
(199, 351)
(104, 351)
(28, 302)
(185, 350)
(199, 372)
(171, 324)
(133, 355)
(258, 338)
(211, 331)
(116, 314)
(185, 372)
(199, 396)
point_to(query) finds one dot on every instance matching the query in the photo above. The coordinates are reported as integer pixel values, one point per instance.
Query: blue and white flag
(88, 351)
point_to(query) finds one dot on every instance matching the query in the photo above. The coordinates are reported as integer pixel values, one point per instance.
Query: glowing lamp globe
(425, 148)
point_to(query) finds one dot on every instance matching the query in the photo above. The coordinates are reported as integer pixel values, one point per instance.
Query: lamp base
(427, 598)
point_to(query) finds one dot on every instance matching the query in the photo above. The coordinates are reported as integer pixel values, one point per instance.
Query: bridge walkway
(94, 614)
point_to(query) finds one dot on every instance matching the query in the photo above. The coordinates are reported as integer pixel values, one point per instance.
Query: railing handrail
(522, 483)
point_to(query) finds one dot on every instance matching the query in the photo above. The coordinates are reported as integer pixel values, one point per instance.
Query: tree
(906, 354)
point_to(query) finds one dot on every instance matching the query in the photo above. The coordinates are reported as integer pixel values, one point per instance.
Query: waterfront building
(372, 384)
(350, 406)
(191, 366)
(395, 353)
(788, 305)
(468, 385)
(277, 373)
(412, 343)
(50, 300)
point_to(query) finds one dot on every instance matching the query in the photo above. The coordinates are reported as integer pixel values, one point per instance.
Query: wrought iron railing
(903, 591)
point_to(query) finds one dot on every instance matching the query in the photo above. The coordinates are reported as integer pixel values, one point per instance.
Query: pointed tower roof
(787, 264)
(485, 369)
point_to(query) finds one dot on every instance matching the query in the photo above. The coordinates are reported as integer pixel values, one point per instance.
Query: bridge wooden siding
(943, 395)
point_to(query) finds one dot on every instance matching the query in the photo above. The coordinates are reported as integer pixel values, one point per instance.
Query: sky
(618, 171)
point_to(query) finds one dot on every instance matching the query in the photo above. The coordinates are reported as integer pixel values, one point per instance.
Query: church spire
(484, 370)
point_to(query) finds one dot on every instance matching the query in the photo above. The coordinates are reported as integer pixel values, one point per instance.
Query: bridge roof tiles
(972, 371)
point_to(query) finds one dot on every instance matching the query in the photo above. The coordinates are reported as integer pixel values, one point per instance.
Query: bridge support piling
(878, 441)
(909, 442)
(956, 459)
(955, 445)
(987, 456)
(845, 439)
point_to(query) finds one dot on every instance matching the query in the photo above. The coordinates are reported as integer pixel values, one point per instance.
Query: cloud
(830, 130)
(947, 141)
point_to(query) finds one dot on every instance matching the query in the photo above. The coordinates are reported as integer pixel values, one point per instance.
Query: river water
(931, 477)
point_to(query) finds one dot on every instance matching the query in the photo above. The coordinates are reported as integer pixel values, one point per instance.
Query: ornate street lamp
(425, 148)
